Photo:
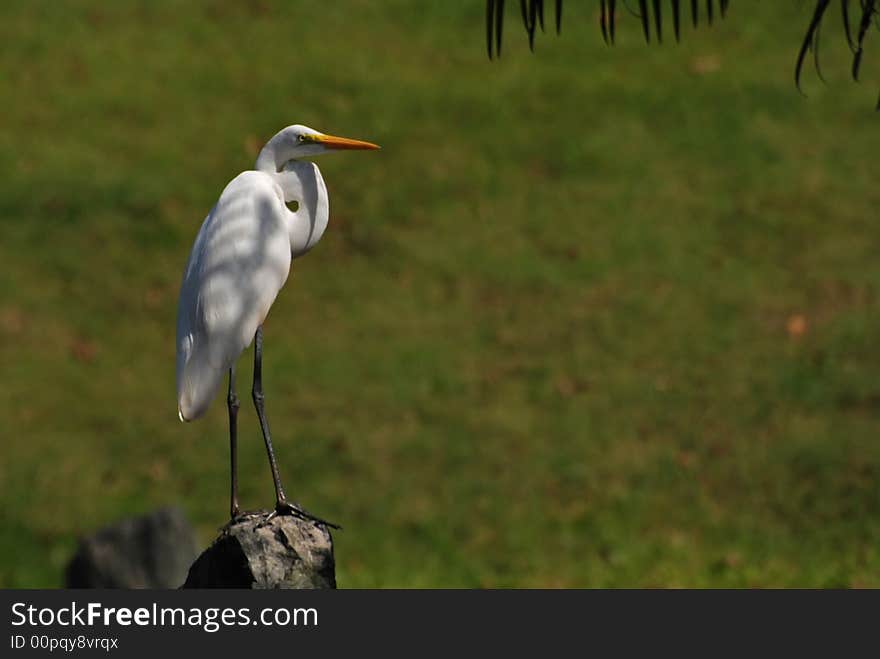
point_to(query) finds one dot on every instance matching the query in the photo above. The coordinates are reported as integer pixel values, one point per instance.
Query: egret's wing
(239, 262)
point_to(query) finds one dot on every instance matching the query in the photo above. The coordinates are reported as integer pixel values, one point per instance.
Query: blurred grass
(593, 317)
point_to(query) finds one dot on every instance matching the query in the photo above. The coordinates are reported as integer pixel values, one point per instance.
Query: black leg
(233, 405)
(282, 505)
(257, 393)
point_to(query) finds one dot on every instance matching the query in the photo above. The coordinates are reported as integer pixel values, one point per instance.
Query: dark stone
(152, 551)
(283, 552)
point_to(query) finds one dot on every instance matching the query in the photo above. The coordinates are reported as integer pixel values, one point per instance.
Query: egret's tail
(198, 383)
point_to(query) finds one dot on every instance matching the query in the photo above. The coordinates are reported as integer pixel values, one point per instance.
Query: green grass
(593, 317)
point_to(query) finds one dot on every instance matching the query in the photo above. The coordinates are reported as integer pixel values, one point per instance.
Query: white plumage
(241, 259)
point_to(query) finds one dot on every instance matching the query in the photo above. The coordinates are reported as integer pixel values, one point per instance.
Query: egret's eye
(300, 138)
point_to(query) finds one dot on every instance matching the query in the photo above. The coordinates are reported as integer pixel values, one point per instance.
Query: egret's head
(297, 141)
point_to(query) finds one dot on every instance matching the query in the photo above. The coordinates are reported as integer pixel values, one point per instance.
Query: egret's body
(239, 262)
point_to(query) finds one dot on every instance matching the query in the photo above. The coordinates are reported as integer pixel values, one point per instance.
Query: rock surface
(150, 551)
(283, 552)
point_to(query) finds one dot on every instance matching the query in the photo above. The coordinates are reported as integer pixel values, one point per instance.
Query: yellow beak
(333, 142)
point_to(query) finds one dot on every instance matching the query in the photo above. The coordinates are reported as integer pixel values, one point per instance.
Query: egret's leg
(257, 393)
(282, 505)
(233, 405)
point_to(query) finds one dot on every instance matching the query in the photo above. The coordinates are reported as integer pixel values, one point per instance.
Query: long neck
(275, 154)
(301, 182)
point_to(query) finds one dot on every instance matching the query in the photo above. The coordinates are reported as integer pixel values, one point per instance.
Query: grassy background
(593, 317)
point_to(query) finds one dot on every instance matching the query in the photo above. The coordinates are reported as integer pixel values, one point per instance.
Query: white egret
(238, 264)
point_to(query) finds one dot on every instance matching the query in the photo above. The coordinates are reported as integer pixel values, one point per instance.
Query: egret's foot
(287, 508)
(240, 516)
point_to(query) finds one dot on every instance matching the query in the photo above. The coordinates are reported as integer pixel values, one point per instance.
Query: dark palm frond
(816, 59)
(603, 23)
(533, 11)
(532, 14)
(655, 7)
(810, 39)
(494, 25)
(533, 17)
(607, 10)
(869, 8)
(643, 14)
(867, 13)
(658, 21)
(527, 9)
(844, 8)
(676, 19)
(612, 16)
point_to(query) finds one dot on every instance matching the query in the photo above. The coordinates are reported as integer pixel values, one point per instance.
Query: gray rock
(283, 552)
(151, 551)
